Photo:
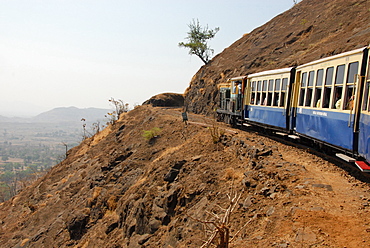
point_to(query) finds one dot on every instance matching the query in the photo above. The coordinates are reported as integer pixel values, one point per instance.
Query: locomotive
(325, 101)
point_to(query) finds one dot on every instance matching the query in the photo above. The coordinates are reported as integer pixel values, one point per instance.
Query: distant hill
(71, 114)
(63, 114)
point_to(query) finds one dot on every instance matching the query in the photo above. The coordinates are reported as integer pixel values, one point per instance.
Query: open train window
(351, 85)
(328, 87)
(338, 88)
(284, 87)
(270, 90)
(352, 72)
(253, 92)
(309, 90)
(258, 93)
(276, 92)
(318, 88)
(303, 88)
(366, 96)
(264, 93)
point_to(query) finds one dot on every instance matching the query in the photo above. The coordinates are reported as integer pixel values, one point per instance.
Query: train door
(295, 86)
(363, 116)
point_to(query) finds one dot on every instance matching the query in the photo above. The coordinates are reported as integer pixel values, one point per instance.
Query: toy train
(325, 101)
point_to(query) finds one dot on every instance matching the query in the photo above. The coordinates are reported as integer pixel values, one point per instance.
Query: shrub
(151, 134)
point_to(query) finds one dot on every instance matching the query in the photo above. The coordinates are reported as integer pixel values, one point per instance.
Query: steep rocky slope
(118, 189)
(308, 31)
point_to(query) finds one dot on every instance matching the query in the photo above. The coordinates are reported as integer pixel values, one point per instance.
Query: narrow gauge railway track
(319, 149)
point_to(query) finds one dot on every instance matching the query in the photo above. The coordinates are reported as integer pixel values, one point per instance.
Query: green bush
(151, 134)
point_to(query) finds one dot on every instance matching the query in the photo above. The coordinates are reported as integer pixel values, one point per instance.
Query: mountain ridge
(62, 114)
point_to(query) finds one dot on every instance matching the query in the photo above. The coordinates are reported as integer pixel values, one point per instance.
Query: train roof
(237, 78)
(359, 50)
(270, 72)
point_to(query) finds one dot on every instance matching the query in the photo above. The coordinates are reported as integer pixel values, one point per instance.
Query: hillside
(121, 188)
(118, 189)
(310, 30)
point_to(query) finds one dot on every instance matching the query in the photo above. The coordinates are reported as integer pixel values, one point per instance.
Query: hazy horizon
(82, 53)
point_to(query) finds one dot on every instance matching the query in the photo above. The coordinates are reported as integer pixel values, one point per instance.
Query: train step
(363, 166)
(281, 134)
(345, 157)
(293, 137)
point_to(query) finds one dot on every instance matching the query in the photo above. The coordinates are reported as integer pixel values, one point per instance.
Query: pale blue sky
(61, 53)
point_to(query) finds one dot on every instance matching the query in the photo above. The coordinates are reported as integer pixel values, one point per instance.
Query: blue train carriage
(327, 98)
(268, 98)
(231, 100)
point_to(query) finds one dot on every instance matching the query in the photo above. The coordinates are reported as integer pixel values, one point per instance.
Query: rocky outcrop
(166, 100)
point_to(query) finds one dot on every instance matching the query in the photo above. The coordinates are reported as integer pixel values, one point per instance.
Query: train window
(258, 93)
(337, 103)
(329, 76)
(304, 79)
(269, 98)
(263, 95)
(339, 77)
(308, 97)
(284, 87)
(271, 85)
(317, 100)
(338, 88)
(263, 98)
(276, 93)
(270, 91)
(309, 90)
(326, 100)
(327, 90)
(264, 85)
(277, 84)
(311, 78)
(350, 97)
(351, 87)
(318, 90)
(258, 99)
(253, 92)
(352, 72)
(319, 77)
(366, 96)
(285, 84)
(303, 88)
